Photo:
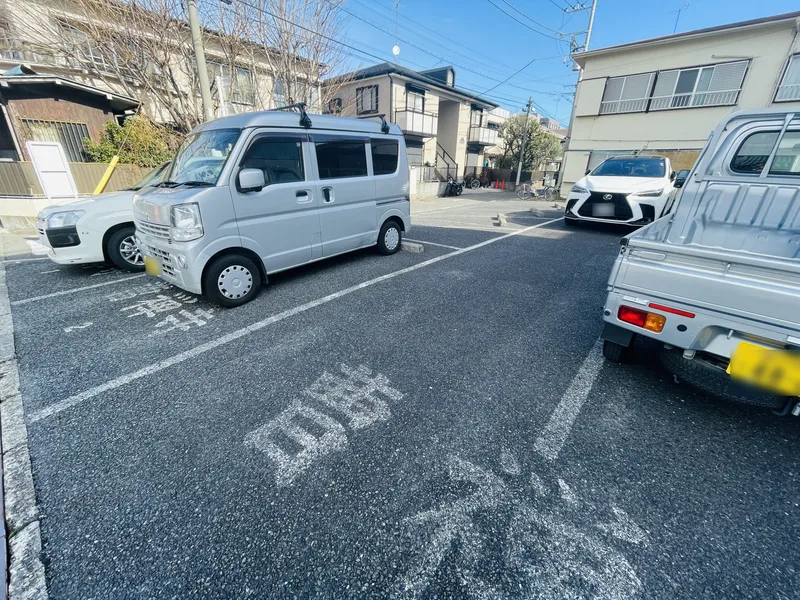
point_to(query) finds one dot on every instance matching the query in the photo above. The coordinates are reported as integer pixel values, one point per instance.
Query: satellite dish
(396, 50)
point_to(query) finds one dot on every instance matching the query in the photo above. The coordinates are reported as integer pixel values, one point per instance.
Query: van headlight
(649, 193)
(64, 219)
(579, 190)
(186, 223)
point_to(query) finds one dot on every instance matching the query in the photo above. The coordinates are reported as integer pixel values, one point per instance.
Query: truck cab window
(752, 155)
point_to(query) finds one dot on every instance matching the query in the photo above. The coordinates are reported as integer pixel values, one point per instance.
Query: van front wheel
(390, 238)
(231, 280)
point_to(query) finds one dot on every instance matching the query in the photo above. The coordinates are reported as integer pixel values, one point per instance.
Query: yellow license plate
(777, 371)
(152, 266)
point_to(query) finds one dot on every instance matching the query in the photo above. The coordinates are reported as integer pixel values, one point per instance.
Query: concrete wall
(767, 46)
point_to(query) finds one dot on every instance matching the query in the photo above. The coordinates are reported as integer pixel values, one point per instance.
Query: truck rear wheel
(712, 379)
(616, 352)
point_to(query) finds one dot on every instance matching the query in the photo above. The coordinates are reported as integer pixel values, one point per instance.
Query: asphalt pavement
(435, 425)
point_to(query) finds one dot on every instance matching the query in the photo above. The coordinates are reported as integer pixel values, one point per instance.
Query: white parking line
(555, 433)
(459, 205)
(74, 290)
(113, 384)
(435, 244)
(21, 260)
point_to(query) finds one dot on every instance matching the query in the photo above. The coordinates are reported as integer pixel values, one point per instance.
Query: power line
(520, 22)
(515, 9)
(430, 39)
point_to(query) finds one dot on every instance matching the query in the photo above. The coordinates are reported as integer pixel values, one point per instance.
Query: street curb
(22, 565)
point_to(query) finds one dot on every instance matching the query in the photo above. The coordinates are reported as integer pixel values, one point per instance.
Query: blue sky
(486, 46)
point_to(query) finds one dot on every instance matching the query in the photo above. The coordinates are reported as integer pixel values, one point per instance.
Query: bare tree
(297, 39)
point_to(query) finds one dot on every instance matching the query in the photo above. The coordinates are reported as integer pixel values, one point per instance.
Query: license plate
(604, 209)
(152, 266)
(777, 371)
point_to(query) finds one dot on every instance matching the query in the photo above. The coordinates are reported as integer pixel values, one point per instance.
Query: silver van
(253, 194)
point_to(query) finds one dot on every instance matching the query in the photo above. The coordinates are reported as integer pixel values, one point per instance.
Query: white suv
(625, 189)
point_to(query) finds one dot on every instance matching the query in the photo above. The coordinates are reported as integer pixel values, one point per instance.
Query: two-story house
(445, 127)
(665, 95)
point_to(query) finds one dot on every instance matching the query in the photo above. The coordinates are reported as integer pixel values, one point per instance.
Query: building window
(415, 101)
(86, 49)
(279, 93)
(384, 156)
(714, 85)
(69, 135)
(280, 159)
(235, 84)
(335, 106)
(789, 89)
(626, 94)
(367, 100)
(476, 118)
(341, 158)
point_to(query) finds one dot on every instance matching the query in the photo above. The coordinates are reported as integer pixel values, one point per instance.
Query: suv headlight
(579, 190)
(649, 193)
(186, 223)
(64, 219)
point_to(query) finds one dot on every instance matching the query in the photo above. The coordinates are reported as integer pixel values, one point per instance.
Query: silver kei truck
(257, 193)
(718, 280)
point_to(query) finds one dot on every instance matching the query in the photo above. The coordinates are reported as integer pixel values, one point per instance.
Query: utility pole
(568, 139)
(524, 139)
(200, 59)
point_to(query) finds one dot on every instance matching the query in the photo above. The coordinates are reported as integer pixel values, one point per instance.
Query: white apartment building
(445, 127)
(665, 95)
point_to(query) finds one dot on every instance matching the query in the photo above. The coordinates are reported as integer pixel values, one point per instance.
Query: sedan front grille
(622, 210)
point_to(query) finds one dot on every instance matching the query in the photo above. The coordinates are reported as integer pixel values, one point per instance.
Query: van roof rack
(382, 117)
(305, 120)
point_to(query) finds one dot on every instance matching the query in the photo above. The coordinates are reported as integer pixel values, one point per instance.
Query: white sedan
(626, 189)
(95, 229)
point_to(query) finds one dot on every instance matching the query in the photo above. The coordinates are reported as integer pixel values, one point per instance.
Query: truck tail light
(641, 318)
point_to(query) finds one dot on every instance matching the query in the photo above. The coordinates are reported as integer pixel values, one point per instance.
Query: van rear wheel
(390, 237)
(231, 280)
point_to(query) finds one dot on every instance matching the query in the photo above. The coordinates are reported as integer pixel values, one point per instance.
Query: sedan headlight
(64, 219)
(649, 193)
(579, 190)
(186, 223)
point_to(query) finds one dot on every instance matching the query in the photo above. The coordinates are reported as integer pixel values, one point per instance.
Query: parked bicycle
(527, 192)
(471, 181)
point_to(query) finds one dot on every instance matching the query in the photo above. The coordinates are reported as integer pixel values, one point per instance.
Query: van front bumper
(175, 262)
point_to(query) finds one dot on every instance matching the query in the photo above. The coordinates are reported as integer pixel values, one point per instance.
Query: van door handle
(327, 192)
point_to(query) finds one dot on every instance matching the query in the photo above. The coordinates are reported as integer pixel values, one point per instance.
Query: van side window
(281, 159)
(752, 155)
(787, 159)
(341, 158)
(384, 156)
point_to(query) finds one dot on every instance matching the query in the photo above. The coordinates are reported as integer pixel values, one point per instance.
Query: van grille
(154, 229)
(166, 260)
(622, 210)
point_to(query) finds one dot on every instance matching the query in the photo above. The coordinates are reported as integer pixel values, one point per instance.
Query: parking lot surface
(435, 425)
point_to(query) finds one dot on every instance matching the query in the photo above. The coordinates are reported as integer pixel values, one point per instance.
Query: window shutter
(727, 77)
(665, 83)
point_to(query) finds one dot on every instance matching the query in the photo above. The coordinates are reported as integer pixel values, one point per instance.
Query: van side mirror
(672, 175)
(680, 178)
(251, 180)
(587, 171)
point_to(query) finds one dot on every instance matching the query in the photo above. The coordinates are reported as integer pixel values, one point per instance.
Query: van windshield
(631, 167)
(201, 157)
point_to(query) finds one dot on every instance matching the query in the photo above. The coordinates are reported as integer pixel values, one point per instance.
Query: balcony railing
(417, 122)
(722, 98)
(482, 135)
(790, 91)
(623, 106)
